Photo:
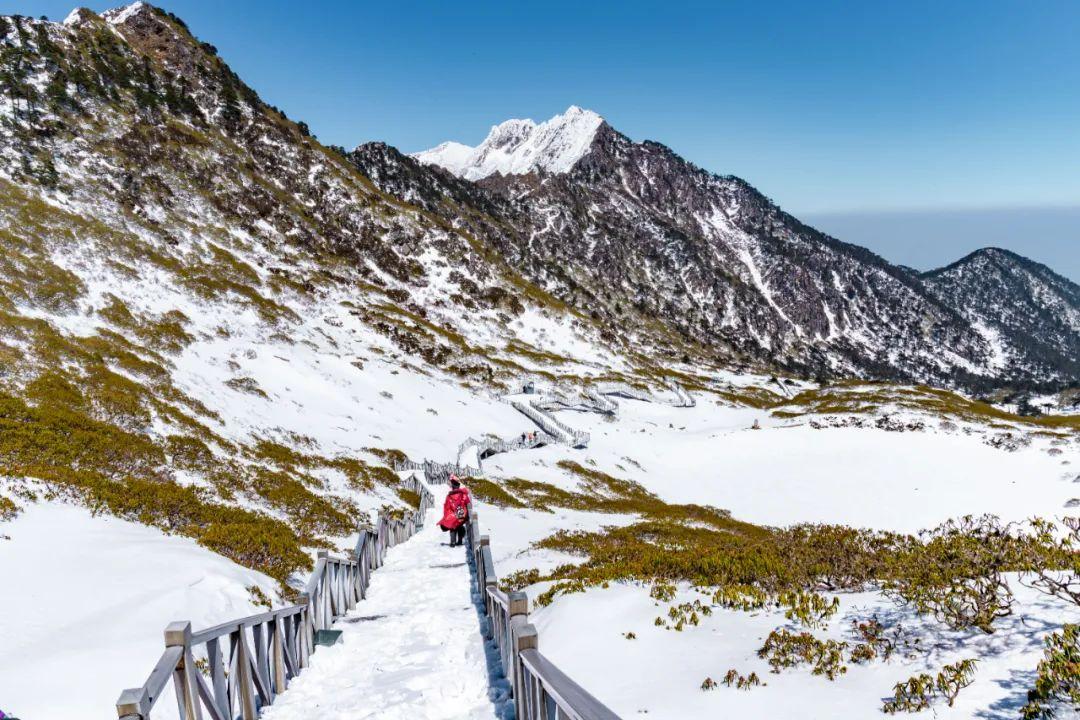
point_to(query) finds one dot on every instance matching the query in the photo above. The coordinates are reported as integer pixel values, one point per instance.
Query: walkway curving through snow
(413, 650)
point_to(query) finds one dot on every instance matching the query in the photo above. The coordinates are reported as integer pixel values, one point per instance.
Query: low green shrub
(733, 678)
(493, 493)
(957, 573)
(8, 509)
(1057, 681)
(785, 649)
(273, 550)
(918, 692)
(409, 497)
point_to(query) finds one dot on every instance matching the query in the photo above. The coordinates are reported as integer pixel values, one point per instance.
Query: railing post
(322, 619)
(133, 704)
(518, 610)
(306, 635)
(178, 634)
(245, 682)
(481, 574)
(524, 637)
(277, 657)
(217, 676)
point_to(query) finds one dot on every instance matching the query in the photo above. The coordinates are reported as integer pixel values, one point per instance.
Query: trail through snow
(412, 650)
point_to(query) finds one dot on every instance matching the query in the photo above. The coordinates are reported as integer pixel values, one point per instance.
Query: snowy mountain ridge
(518, 147)
(1031, 312)
(636, 234)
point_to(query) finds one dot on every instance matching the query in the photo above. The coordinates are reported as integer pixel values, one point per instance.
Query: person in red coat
(456, 512)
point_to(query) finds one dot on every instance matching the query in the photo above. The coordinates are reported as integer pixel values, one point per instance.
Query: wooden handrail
(541, 691)
(265, 651)
(573, 701)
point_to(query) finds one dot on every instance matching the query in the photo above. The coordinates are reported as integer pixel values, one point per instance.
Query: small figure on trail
(756, 425)
(456, 512)
(524, 437)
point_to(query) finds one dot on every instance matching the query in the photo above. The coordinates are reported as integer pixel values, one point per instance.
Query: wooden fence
(541, 691)
(551, 425)
(437, 473)
(248, 662)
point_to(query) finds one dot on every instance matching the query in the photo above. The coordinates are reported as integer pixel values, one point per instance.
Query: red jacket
(456, 498)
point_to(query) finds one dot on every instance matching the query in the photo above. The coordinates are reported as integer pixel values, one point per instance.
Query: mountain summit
(518, 147)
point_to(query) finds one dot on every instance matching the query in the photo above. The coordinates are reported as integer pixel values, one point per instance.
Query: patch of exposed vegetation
(1057, 680)
(918, 692)
(955, 573)
(855, 398)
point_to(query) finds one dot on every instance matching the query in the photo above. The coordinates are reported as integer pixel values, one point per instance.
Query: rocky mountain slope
(187, 277)
(631, 231)
(1031, 314)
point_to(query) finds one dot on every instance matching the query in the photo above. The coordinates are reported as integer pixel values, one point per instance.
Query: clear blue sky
(839, 111)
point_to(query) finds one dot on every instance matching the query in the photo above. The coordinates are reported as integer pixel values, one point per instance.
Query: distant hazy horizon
(928, 239)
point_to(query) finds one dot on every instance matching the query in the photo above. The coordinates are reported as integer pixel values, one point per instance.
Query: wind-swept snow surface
(788, 472)
(412, 651)
(88, 598)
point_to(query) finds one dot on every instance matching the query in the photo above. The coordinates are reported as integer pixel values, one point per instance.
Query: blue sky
(849, 114)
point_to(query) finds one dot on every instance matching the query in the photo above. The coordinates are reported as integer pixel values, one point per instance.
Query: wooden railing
(437, 473)
(486, 447)
(551, 425)
(541, 691)
(250, 661)
(619, 389)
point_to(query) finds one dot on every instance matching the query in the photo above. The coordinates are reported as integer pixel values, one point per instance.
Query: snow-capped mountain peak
(519, 147)
(117, 16)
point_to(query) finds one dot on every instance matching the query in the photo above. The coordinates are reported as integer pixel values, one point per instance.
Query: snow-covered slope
(517, 147)
(94, 594)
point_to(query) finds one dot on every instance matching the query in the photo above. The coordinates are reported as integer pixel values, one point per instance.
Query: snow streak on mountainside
(1030, 313)
(516, 147)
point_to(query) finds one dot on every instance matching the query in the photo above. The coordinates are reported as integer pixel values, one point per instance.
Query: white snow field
(784, 473)
(790, 473)
(87, 601)
(659, 674)
(413, 650)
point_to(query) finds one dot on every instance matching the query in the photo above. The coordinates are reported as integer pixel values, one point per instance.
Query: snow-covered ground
(87, 602)
(789, 472)
(659, 674)
(412, 651)
(786, 472)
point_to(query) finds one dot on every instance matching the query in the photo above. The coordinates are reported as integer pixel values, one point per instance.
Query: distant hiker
(456, 512)
(524, 438)
(756, 425)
